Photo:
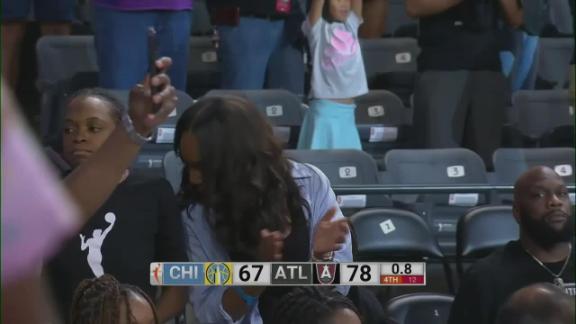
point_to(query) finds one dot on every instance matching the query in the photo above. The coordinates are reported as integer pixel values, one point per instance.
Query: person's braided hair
(311, 305)
(99, 300)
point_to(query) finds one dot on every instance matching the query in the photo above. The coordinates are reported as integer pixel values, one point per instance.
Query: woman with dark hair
(316, 305)
(139, 222)
(105, 300)
(244, 201)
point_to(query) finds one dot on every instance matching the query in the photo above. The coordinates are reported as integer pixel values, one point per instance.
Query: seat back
(553, 62)
(345, 167)
(381, 119)
(203, 66)
(455, 166)
(482, 230)
(385, 234)
(61, 57)
(282, 108)
(342, 167)
(535, 112)
(389, 55)
(419, 308)
(510, 163)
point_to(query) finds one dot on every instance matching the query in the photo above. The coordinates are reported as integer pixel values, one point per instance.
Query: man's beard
(544, 234)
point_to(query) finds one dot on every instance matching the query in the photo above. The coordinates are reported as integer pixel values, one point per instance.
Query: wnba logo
(156, 273)
(218, 274)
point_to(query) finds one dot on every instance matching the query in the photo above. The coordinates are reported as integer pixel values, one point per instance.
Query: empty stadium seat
(345, 167)
(342, 167)
(536, 112)
(481, 230)
(282, 108)
(553, 61)
(389, 55)
(420, 308)
(455, 166)
(61, 57)
(203, 67)
(393, 234)
(381, 119)
(391, 63)
(510, 163)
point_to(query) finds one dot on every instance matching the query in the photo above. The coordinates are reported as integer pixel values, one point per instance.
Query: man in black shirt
(461, 94)
(542, 254)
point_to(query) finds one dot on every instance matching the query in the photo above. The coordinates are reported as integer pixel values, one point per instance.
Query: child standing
(338, 75)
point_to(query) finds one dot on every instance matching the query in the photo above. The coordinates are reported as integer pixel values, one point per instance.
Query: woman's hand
(330, 235)
(146, 111)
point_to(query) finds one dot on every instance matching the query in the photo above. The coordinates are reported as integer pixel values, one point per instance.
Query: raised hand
(330, 235)
(143, 105)
(271, 245)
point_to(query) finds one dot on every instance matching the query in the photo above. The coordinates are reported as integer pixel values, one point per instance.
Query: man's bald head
(542, 207)
(541, 303)
(532, 176)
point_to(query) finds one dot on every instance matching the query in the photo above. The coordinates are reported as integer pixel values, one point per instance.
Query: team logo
(156, 274)
(325, 272)
(218, 273)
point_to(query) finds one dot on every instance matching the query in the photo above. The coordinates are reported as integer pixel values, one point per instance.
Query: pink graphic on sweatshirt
(341, 48)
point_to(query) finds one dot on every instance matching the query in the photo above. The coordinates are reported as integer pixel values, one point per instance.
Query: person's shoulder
(498, 260)
(306, 172)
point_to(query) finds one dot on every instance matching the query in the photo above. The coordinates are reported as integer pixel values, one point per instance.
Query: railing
(419, 189)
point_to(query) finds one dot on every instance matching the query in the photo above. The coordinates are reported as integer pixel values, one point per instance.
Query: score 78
(360, 274)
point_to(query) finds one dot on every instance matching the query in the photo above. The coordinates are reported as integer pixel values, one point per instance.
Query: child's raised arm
(316, 11)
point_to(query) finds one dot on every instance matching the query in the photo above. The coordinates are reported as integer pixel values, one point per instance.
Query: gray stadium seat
(381, 119)
(553, 60)
(282, 108)
(342, 167)
(389, 55)
(455, 166)
(383, 234)
(172, 166)
(203, 66)
(482, 230)
(510, 163)
(345, 167)
(536, 112)
(561, 16)
(420, 308)
(61, 57)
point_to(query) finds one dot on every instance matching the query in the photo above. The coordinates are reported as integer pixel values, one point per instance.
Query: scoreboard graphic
(287, 274)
